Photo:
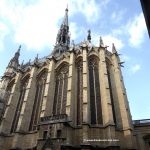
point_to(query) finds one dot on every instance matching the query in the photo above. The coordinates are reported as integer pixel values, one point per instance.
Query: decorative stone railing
(54, 119)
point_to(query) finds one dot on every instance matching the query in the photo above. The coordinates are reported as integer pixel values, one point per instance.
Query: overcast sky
(34, 24)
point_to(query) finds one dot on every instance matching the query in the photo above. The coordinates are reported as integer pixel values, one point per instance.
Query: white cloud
(40, 24)
(89, 8)
(35, 24)
(109, 39)
(125, 58)
(3, 32)
(135, 68)
(136, 29)
(117, 16)
(74, 30)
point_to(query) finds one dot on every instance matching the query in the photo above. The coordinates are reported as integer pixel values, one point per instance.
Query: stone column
(27, 106)
(104, 89)
(123, 120)
(48, 99)
(70, 90)
(86, 113)
(11, 106)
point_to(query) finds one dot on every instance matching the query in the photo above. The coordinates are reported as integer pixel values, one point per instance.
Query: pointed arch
(40, 88)
(25, 77)
(79, 85)
(60, 97)
(95, 96)
(8, 91)
(6, 98)
(42, 71)
(23, 87)
(93, 54)
(60, 64)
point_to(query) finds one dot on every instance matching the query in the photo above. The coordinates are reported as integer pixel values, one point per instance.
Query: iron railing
(141, 122)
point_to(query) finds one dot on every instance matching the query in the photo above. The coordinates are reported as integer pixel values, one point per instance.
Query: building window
(79, 67)
(95, 97)
(41, 82)
(59, 133)
(60, 98)
(45, 134)
(111, 92)
(8, 92)
(5, 99)
(23, 87)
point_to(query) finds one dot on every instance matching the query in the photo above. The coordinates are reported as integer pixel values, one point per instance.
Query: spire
(114, 49)
(101, 44)
(14, 62)
(65, 21)
(63, 37)
(22, 63)
(89, 36)
(17, 54)
(36, 58)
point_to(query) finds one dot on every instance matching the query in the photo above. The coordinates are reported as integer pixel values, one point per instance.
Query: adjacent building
(146, 10)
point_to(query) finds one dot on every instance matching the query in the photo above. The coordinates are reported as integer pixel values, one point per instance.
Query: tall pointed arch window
(5, 98)
(8, 90)
(40, 88)
(111, 92)
(95, 97)
(60, 98)
(23, 87)
(79, 68)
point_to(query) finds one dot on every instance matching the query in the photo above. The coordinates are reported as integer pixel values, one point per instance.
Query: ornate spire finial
(36, 58)
(89, 36)
(72, 43)
(65, 22)
(14, 62)
(101, 44)
(114, 49)
(19, 48)
(29, 62)
(63, 36)
(22, 63)
(18, 51)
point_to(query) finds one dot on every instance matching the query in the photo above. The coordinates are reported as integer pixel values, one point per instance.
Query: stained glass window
(95, 97)
(41, 81)
(23, 86)
(60, 98)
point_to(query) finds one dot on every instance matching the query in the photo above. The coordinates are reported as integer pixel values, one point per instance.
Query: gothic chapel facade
(74, 98)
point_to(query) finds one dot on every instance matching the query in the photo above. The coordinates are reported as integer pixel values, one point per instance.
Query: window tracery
(23, 87)
(41, 82)
(60, 98)
(8, 91)
(5, 95)
(95, 97)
